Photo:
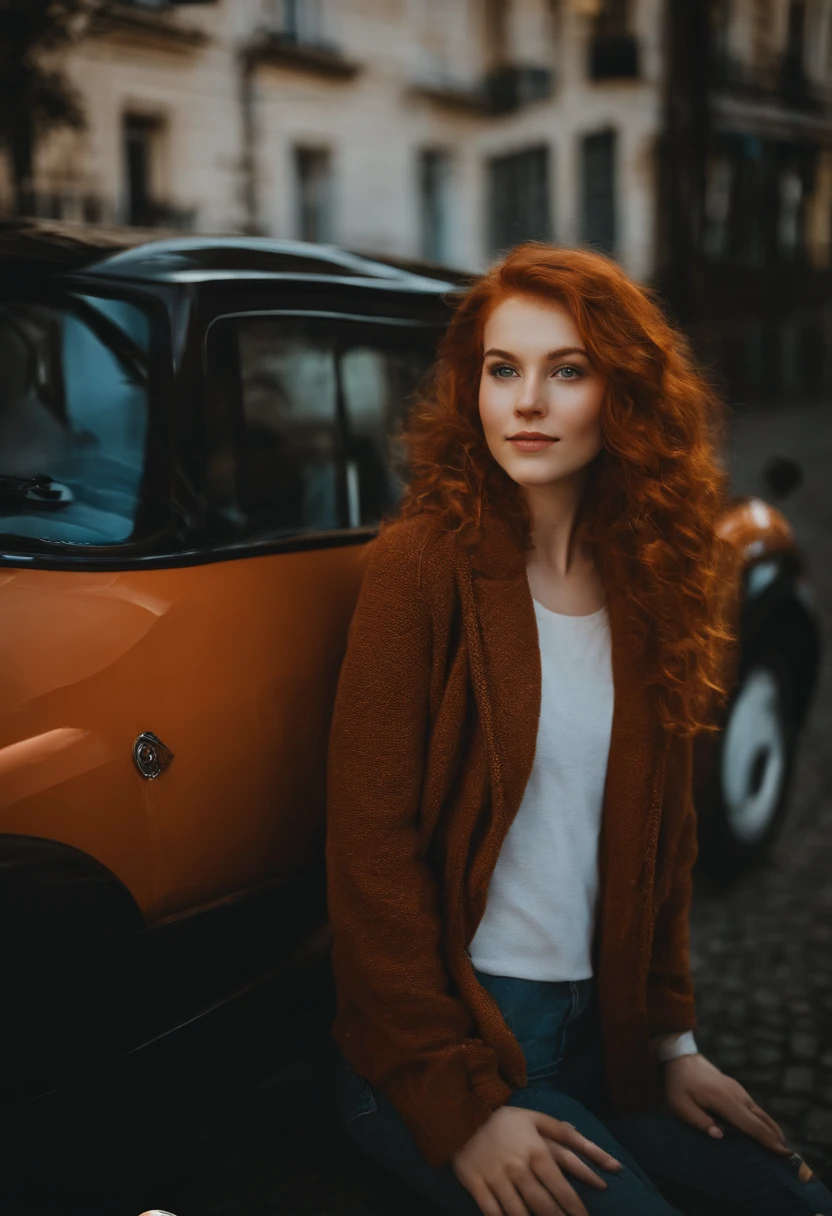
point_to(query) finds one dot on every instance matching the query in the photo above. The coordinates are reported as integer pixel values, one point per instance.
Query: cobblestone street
(763, 951)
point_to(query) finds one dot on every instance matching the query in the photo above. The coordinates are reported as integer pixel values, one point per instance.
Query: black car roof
(128, 254)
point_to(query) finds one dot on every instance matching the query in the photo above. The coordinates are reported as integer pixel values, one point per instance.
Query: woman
(511, 830)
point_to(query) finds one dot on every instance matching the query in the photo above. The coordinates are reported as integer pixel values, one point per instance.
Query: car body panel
(63, 774)
(232, 666)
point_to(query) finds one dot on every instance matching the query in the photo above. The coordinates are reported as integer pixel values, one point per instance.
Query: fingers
(539, 1188)
(687, 1109)
(744, 1114)
(567, 1160)
(548, 1173)
(776, 1129)
(748, 1121)
(485, 1199)
(514, 1203)
(542, 1199)
(568, 1134)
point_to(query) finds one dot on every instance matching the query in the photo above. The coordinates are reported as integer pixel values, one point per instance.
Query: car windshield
(73, 419)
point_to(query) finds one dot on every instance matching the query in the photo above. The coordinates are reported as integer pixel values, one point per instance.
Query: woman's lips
(532, 445)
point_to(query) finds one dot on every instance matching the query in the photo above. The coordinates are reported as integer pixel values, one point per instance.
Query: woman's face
(537, 376)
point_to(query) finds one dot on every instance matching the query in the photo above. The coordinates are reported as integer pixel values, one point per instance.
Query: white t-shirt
(540, 915)
(539, 920)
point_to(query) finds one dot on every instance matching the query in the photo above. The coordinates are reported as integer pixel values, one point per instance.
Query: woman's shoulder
(419, 545)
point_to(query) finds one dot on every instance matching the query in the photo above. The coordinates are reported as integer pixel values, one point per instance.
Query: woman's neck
(554, 513)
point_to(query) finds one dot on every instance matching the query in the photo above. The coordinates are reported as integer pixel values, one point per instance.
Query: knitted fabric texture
(431, 746)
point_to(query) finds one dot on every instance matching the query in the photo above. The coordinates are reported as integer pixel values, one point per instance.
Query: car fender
(52, 892)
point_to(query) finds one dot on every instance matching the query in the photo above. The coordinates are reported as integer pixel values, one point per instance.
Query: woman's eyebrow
(553, 354)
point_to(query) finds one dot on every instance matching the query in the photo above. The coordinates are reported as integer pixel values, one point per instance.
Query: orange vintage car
(195, 439)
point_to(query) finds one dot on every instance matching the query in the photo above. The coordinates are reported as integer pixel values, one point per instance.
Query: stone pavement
(762, 958)
(762, 952)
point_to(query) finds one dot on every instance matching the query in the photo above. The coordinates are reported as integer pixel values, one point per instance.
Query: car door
(300, 408)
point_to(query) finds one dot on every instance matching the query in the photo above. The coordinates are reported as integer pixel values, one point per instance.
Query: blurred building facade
(692, 139)
(746, 189)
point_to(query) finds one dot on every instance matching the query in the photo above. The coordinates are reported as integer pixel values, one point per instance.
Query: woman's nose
(529, 405)
(530, 396)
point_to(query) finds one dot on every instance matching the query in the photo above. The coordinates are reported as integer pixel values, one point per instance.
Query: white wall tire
(754, 755)
(748, 791)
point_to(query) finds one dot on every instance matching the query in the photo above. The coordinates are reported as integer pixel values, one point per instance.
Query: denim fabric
(558, 1027)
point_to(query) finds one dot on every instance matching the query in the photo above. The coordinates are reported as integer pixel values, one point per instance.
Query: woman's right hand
(515, 1164)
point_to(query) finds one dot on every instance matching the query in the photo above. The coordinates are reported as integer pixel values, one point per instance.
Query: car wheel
(753, 766)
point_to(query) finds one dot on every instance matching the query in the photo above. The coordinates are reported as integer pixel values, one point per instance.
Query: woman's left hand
(696, 1090)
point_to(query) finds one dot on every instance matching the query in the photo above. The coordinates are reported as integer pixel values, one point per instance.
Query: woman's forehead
(529, 321)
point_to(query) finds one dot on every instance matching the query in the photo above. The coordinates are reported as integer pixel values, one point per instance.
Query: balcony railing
(154, 23)
(613, 57)
(500, 91)
(515, 85)
(275, 45)
(782, 79)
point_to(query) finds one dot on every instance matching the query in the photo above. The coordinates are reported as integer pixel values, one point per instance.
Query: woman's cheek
(493, 414)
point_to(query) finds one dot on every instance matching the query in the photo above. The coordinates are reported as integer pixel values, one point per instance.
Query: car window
(73, 419)
(288, 456)
(304, 417)
(379, 379)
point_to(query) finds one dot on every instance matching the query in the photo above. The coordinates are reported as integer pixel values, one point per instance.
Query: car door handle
(151, 755)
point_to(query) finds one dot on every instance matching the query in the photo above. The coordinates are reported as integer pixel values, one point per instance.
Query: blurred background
(689, 139)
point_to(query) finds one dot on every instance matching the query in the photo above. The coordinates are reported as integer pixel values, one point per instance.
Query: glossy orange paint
(232, 664)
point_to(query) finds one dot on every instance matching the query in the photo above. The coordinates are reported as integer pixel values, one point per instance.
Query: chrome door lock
(151, 755)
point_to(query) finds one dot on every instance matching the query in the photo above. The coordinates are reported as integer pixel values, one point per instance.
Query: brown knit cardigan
(432, 742)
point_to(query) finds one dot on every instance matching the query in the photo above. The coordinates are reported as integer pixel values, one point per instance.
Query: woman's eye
(504, 371)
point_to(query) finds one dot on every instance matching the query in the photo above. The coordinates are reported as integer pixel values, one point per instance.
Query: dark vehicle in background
(196, 453)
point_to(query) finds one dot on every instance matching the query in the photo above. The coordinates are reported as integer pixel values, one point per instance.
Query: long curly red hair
(655, 492)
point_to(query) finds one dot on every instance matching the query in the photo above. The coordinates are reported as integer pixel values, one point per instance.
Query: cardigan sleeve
(670, 995)
(398, 1022)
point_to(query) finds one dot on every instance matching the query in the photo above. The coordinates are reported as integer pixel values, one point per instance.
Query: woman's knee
(377, 1129)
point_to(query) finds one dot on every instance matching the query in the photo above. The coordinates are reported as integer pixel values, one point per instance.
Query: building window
(722, 15)
(598, 212)
(313, 177)
(519, 198)
(300, 21)
(495, 20)
(434, 201)
(143, 136)
(762, 27)
(613, 17)
(794, 71)
(613, 49)
(790, 217)
(719, 192)
(718, 196)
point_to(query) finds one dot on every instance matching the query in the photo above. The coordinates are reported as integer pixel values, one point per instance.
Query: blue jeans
(663, 1157)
